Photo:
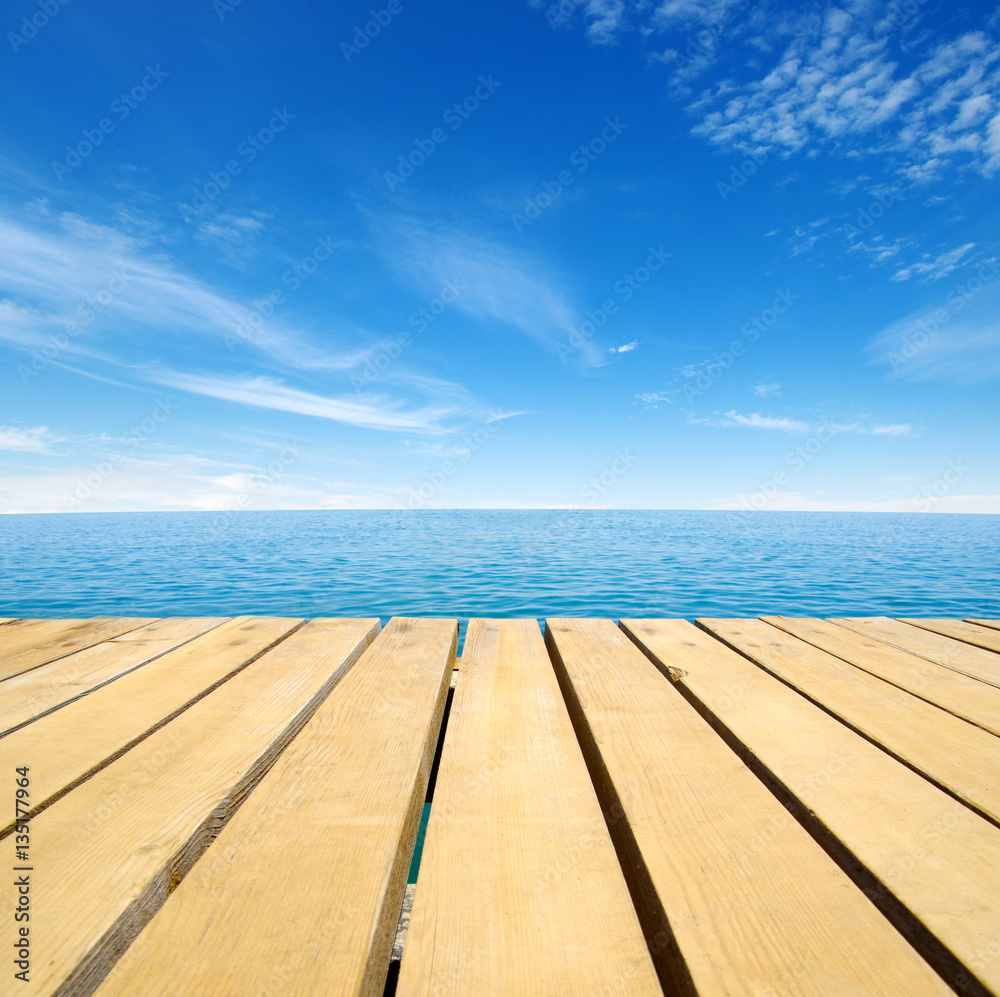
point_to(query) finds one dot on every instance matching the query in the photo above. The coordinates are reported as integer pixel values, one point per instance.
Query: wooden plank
(34, 642)
(994, 624)
(971, 661)
(960, 757)
(927, 861)
(27, 696)
(965, 697)
(520, 890)
(301, 892)
(108, 722)
(735, 896)
(105, 856)
(971, 633)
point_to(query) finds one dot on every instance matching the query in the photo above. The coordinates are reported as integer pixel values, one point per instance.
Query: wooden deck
(739, 807)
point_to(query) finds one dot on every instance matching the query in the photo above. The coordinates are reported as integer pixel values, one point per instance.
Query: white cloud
(38, 440)
(754, 421)
(498, 282)
(783, 424)
(797, 502)
(369, 412)
(766, 390)
(606, 20)
(896, 429)
(955, 339)
(839, 88)
(185, 482)
(627, 348)
(64, 268)
(936, 268)
(823, 76)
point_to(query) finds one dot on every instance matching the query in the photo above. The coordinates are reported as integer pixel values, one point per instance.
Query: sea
(500, 563)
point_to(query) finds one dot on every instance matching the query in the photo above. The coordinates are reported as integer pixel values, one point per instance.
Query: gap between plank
(930, 948)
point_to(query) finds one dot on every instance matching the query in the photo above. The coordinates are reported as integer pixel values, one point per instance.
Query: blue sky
(698, 254)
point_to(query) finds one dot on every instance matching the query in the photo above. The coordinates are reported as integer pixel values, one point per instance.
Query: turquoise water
(499, 563)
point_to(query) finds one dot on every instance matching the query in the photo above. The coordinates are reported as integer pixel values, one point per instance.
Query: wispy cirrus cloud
(65, 275)
(77, 289)
(36, 440)
(956, 338)
(783, 424)
(934, 268)
(500, 283)
(369, 412)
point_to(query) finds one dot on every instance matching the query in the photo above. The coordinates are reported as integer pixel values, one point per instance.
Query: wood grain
(992, 624)
(979, 635)
(519, 891)
(735, 896)
(30, 643)
(930, 863)
(106, 855)
(301, 892)
(71, 744)
(957, 755)
(965, 697)
(971, 661)
(31, 694)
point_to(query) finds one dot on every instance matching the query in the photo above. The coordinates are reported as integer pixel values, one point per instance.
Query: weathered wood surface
(107, 854)
(29, 643)
(970, 631)
(302, 890)
(752, 798)
(41, 690)
(950, 690)
(736, 897)
(520, 890)
(958, 756)
(973, 661)
(931, 863)
(71, 744)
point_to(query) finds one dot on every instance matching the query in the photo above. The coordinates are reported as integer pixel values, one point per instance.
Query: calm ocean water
(500, 563)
